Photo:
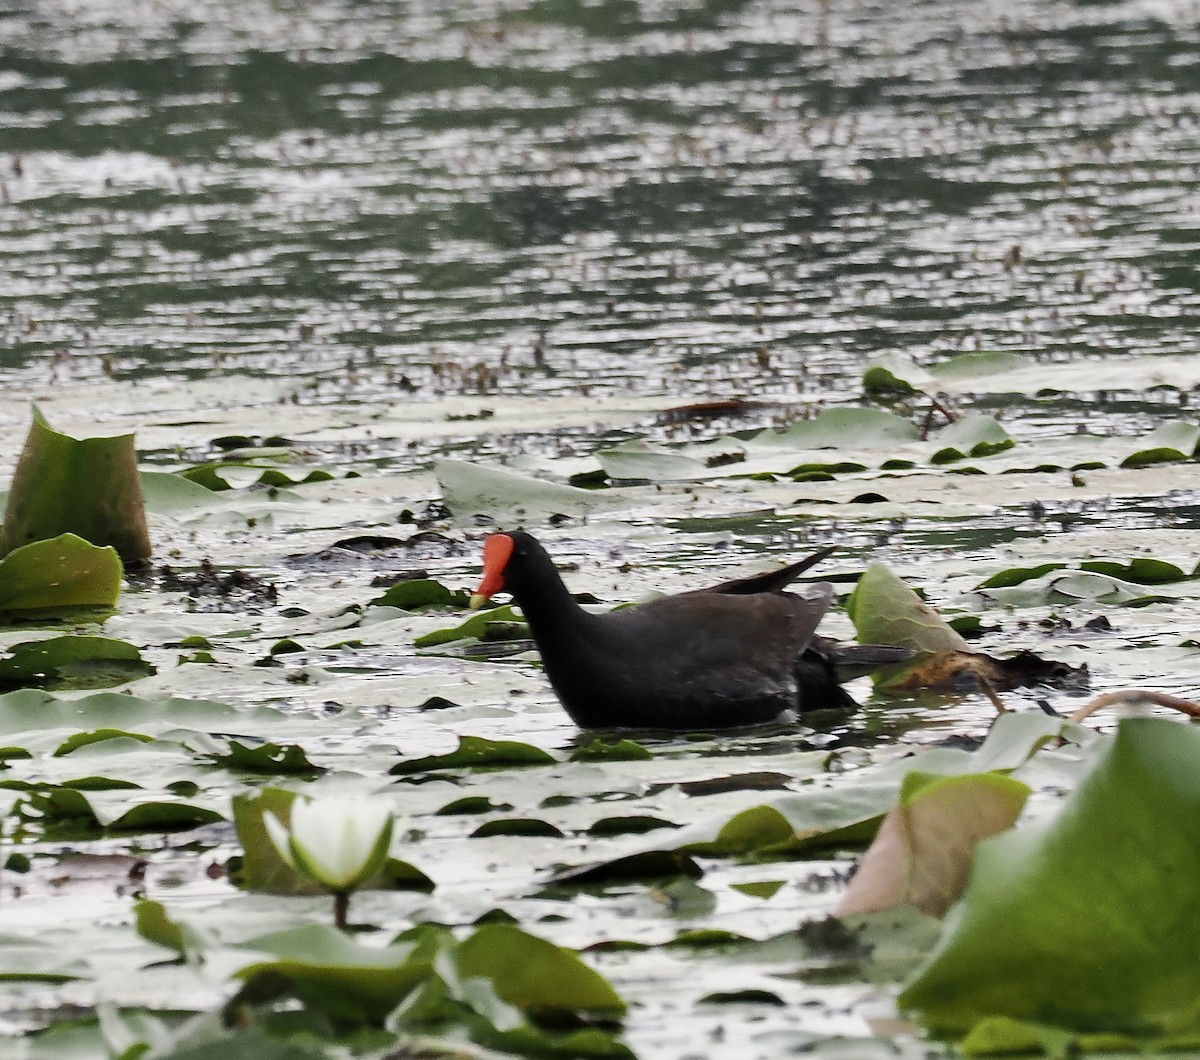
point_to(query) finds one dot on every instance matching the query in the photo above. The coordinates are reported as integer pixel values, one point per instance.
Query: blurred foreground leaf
(1088, 921)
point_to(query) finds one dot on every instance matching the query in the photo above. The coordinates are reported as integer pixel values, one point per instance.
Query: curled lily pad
(973, 436)
(497, 623)
(89, 487)
(922, 852)
(1166, 444)
(845, 428)
(234, 474)
(886, 611)
(475, 489)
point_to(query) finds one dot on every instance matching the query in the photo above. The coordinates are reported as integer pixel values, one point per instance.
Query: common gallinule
(740, 653)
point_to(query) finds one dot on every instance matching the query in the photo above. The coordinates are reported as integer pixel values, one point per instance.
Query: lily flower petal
(338, 841)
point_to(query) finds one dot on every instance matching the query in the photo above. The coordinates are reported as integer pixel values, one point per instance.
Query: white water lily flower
(337, 841)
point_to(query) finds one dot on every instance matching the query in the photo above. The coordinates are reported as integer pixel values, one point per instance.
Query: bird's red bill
(497, 550)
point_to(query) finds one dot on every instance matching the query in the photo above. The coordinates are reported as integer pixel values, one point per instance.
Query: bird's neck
(551, 611)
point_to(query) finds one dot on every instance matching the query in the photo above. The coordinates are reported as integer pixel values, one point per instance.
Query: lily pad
(58, 574)
(886, 611)
(1041, 897)
(420, 593)
(470, 489)
(72, 662)
(1169, 443)
(476, 752)
(971, 436)
(88, 487)
(844, 428)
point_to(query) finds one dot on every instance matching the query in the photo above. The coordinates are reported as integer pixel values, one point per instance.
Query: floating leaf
(72, 661)
(634, 825)
(331, 973)
(1016, 575)
(523, 826)
(475, 752)
(844, 428)
(166, 493)
(983, 363)
(88, 487)
(227, 475)
(86, 739)
(61, 573)
(1142, 570)
(419, 593)
(482, 626)
(639, 460)
(1114, 876)
(1059, 587)
(36, 963)
(891, 375)
(598, 749)
(973, 436)
(470, 489)
(536, 976)
(266, 758)
(1166, 444)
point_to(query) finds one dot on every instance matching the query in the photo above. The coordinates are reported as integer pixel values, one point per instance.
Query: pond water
(522, 232)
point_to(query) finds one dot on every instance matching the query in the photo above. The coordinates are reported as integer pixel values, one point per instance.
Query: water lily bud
(336, 841)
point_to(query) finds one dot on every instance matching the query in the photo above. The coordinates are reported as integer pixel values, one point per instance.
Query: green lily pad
(239, 474)
(421, 593)
(329, 972)
(535, 975)
(1115, 876)
(61, 573)
(476, 752)
(267, 758)
(891, 375)
(971, 436)
(599, 750)
(1063, 587)
(86, 739)
(496, 623)
(72, 662)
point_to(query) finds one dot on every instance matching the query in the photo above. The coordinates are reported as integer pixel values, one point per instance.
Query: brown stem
(341, 908)
(989, 690)
(1132, 697)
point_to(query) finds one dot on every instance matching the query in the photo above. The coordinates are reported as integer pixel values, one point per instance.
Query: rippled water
(660, 198)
